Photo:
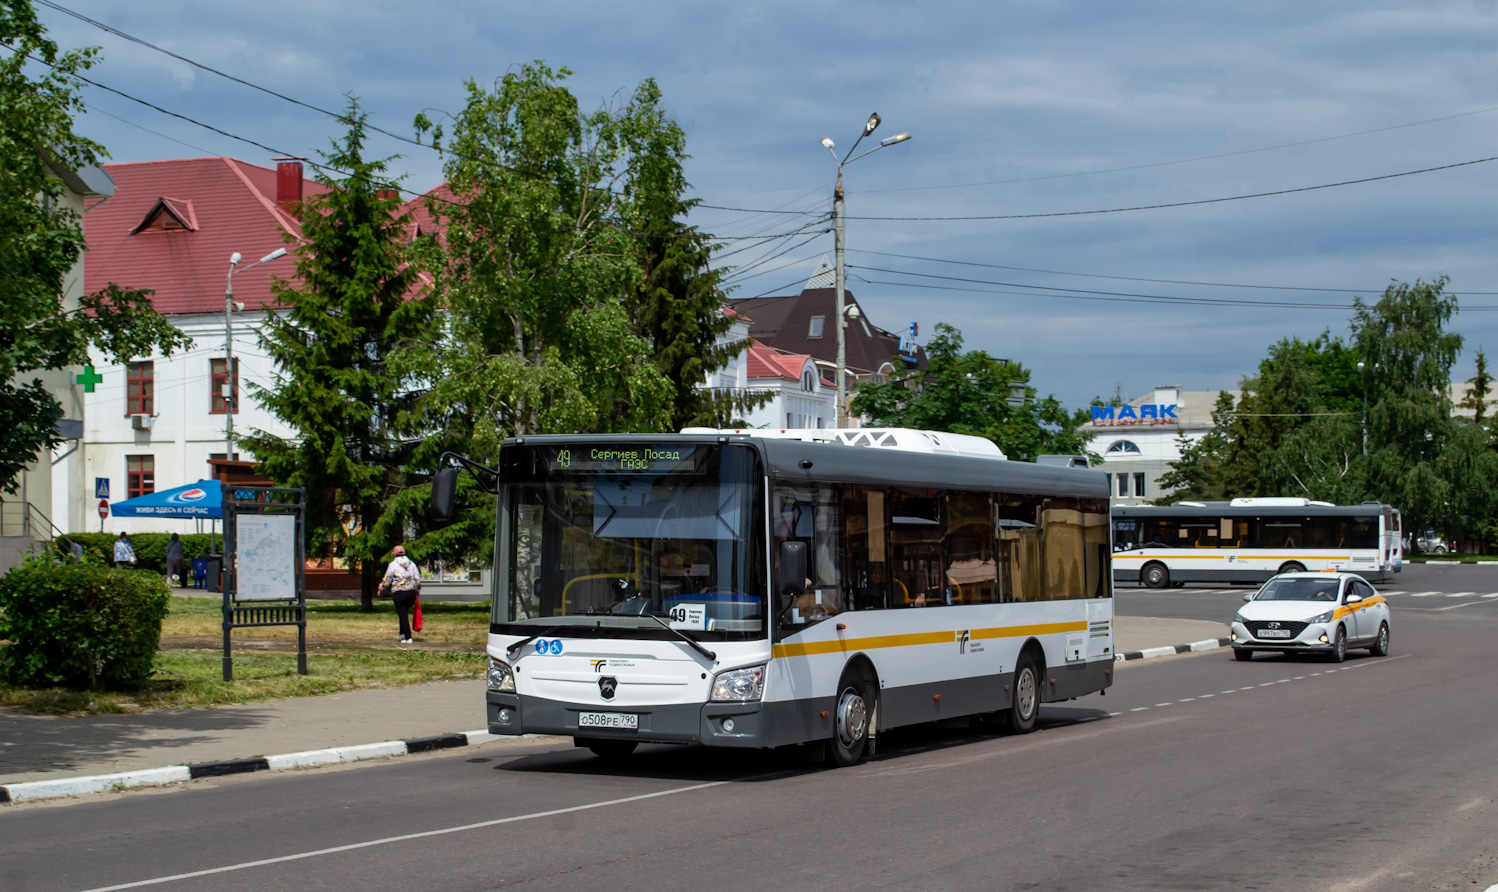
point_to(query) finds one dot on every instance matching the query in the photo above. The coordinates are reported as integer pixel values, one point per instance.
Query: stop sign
(103, 508)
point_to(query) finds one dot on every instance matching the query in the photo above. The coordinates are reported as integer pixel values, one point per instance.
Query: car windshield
(1298, 588)
(624, 541)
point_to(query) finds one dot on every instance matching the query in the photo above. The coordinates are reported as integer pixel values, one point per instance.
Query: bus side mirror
(444, 493)
(792, 581)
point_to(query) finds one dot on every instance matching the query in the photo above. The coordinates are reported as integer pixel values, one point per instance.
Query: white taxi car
(1324, 613)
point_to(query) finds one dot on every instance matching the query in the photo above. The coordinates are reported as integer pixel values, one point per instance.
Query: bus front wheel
(1025, 707)
(850, 736)
(1155, 575)
(1292, 567)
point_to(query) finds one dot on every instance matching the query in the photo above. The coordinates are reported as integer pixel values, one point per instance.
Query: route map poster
(265, 546)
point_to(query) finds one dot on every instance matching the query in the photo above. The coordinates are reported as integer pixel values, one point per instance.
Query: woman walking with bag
(403, 581)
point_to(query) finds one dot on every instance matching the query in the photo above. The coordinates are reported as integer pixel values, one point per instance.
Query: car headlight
(1322, 618)
(500, 676)
(1240, 618)
(739, 684)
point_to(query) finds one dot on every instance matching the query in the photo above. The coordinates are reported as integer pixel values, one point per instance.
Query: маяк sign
(1150, 413)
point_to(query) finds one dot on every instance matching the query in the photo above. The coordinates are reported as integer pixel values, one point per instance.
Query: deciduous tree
(967, 393)
(41, 239)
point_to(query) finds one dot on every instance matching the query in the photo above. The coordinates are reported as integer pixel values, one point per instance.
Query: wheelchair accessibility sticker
(553, 647)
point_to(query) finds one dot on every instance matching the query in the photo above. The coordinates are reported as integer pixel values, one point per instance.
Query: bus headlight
(500, 676)
(739, 684)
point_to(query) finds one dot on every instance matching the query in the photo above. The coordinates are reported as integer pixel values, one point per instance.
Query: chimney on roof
(288, 184)
(389, 193)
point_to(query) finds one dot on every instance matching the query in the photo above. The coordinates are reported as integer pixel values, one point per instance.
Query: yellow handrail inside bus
(570, 583)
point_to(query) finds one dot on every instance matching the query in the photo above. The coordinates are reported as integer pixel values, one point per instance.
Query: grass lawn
(1451, 558)
(346, 650)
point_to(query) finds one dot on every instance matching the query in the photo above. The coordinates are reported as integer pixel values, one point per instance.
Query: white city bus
(762, 589)
(1250, 540)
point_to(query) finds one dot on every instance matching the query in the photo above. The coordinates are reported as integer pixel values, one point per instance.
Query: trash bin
(215, 572)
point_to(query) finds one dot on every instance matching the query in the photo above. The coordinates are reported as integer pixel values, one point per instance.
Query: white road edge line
(402, 838)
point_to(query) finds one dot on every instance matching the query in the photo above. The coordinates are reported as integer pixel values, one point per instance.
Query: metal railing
(23, 519)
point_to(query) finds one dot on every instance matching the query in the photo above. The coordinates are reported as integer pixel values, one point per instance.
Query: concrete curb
(1193, 647)
(156, 777)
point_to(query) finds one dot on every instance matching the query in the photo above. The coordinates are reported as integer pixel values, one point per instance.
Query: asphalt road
(1195, 772)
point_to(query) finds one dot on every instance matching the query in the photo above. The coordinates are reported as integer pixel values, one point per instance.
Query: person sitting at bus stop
(403, 582)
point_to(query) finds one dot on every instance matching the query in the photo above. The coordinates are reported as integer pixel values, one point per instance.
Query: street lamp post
(229, 371)
(837, 236)
(1363, 373)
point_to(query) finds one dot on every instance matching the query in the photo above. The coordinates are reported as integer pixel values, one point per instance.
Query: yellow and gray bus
(1250, 540)
(770, 588)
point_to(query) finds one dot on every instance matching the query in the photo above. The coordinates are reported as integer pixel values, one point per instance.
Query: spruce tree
(353, 301)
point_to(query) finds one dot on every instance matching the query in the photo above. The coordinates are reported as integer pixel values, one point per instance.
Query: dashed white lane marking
(1400, 592)
(1491, 595)
(1267, 684)
(1423, 594)
(246, 865)
(1114, 715)
(1461, 594)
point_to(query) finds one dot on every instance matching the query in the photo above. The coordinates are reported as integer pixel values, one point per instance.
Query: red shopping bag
(416, 620)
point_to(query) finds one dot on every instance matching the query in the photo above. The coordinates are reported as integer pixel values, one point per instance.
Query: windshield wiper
(684, 637)
(510, 651)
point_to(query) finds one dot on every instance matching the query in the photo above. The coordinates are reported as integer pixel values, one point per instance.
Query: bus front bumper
(713, 724)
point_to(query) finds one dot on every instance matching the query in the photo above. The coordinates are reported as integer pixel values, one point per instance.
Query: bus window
(1061, 549)
(1018, 547)
(812, 513)
(1095, 541)
(863, 506)
(915, 532)
(972, 573)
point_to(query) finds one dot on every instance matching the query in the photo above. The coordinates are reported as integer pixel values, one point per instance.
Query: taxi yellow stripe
(812, 648)
(1354, 608)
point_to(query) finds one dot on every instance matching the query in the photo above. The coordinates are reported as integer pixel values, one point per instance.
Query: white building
(1139, 440)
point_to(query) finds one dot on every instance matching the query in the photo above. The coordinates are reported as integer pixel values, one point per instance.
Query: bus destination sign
(616, 459)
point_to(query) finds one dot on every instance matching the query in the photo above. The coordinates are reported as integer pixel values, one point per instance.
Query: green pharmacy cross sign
(89, 378)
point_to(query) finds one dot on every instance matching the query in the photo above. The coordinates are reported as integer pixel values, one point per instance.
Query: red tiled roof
(423, 222)
(767, 362)
(228, 206)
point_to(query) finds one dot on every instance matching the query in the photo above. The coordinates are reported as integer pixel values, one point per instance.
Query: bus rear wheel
(608, 748)
(850, 736)
(1155, 575)
(1024, 709)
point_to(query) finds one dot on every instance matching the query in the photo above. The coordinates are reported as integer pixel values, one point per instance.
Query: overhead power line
(1110, 296)
(1055, 272)
(1148, 165)
(1142, 207)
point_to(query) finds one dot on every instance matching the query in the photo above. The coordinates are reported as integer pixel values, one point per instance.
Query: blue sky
(1015, 108)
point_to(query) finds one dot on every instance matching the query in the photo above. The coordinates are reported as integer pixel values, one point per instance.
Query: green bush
(80, 625)
(150, 548)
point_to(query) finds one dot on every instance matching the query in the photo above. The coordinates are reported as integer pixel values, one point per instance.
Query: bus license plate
(626, 720)
(1275, 633)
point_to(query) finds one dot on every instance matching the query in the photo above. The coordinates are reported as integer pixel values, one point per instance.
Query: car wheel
(1339, 646)
(1024, 709)
(609, 749)
(850, 734)
(1292, 567)
(1242, 654)
(1380, 646)
(1155, 575)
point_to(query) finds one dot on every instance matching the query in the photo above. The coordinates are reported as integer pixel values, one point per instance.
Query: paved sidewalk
(34, 748)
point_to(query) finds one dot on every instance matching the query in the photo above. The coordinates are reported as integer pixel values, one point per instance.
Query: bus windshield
(620, 541)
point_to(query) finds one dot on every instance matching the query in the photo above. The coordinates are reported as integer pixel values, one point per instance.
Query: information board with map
(265, 559)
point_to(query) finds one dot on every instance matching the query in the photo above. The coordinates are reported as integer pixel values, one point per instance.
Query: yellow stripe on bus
(1239, 555)
(812, 648)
